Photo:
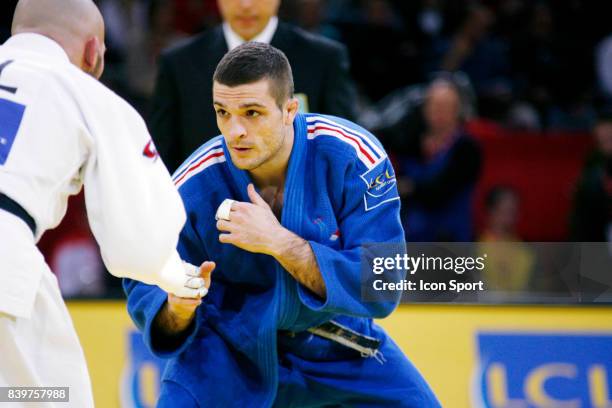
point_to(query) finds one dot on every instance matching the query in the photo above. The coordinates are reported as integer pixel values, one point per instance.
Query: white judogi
(72, 131)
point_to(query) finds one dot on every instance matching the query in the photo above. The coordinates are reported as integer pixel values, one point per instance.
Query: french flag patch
(335, 235)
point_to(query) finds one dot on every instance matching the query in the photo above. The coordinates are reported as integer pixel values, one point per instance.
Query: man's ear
(90, 55)
(291, 108)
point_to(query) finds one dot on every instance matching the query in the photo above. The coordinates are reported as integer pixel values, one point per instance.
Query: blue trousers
(359, 383)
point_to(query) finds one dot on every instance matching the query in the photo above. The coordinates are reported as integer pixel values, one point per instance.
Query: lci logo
(544, 370)
(142, 376)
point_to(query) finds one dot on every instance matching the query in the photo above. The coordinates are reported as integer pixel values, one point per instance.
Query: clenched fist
(253, 226)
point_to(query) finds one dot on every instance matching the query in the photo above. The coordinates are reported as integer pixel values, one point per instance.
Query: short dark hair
(253, 61)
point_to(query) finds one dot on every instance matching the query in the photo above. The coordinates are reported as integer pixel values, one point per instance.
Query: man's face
(248, 18)
(441, 109)
(253, 125)
(505, 213)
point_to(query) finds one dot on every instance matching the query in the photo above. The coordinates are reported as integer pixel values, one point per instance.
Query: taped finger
(191, 270)
(188, 293)
(195, 283)
(223, 212)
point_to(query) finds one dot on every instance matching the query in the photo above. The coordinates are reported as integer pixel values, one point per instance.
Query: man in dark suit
(181, 117)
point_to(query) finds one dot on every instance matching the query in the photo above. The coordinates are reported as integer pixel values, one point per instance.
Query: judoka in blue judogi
(284, 323)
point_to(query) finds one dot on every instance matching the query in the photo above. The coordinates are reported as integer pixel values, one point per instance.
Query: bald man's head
(76, 25)
(442, 106)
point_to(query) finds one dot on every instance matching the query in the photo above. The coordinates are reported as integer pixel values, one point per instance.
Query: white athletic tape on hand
(191, 270)
(195, 283)
(223, 212)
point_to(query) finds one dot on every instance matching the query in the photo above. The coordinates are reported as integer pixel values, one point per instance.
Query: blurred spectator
(509, 262)
(591, 219)
(182, 116)
(523, 116)
(383, 56)
(397, 119)
(162, 33)
(429, 20)
(124, 20)
(535, 60)
(576, 115)
(437, 180)
(136, 32)
(544, 57)
(311, 17)
(474, 49)
(502, 207)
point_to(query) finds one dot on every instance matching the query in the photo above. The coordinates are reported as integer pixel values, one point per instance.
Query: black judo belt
(9, 205)
(366, 345)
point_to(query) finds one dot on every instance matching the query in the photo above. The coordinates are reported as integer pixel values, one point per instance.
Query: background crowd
(497, 115)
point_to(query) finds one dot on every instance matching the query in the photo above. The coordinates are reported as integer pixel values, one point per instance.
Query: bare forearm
(175, 321)
(296, 256)
(170, 324)
(169, 331)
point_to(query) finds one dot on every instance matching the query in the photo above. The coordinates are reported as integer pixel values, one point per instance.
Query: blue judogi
(248, 346)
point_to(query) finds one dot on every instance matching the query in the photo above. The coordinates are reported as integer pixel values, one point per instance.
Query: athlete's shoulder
(60, 81)
(202, 160)
(345, 139)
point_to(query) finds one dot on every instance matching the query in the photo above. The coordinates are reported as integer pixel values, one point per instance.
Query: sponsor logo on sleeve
(150, 151)
(381, 185)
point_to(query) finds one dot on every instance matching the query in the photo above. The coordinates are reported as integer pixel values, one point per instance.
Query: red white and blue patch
(369, 153)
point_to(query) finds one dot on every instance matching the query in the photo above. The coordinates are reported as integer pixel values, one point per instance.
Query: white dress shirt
(233, 40)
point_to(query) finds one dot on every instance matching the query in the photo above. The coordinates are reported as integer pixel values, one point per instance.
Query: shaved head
(76, 25)
(442, 107)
